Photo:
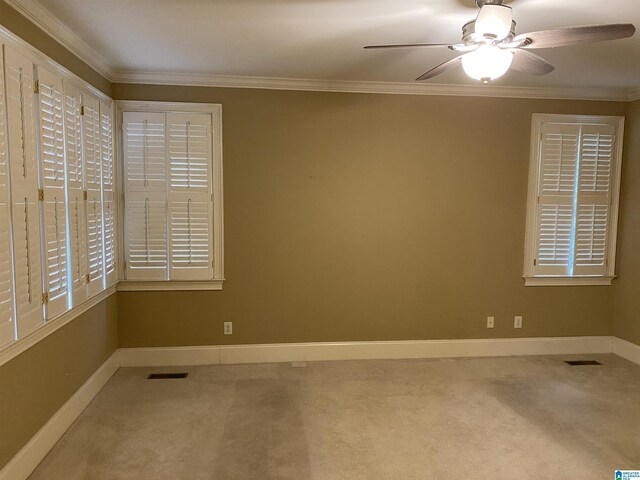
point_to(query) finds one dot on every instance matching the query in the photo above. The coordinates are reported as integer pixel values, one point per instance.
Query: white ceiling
(323, 39)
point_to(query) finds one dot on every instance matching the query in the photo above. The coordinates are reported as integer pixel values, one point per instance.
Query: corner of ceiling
(50, 24)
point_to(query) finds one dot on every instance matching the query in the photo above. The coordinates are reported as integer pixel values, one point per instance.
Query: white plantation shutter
(190, 206)
(93, 186)
(78, 264)
(52, 160)
(557, 173)
(573, 200)
(7, 311)
(108, 193)
(24, 191)
(145, 173)
(597, 146)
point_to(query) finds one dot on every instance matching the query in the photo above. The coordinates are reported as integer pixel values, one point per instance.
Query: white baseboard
(627, 350)
(169, 356)
(28, 458)
(292, 352)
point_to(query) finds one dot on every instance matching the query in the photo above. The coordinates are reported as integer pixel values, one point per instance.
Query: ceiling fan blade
(410, 45)
(443, 67)
(531, 63)
(563, 37)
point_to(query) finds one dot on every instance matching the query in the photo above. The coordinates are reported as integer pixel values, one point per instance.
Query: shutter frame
(145, 177)
(54, 206)
(75, 186)
(556, 170)
(93, 189)
(24, 180)
(190, 206)
(7, 299)
(593, 216)
(109, 196)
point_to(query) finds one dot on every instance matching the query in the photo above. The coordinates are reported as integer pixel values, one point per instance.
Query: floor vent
(575, 363)
(164, 376)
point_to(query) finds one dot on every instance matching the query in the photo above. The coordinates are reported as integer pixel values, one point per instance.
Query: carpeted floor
(487, 418)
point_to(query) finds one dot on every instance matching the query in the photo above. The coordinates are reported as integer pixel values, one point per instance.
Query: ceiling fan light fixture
(494, 21)
(486, 63)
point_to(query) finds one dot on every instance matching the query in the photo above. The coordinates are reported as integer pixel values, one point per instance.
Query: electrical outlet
(517, 322)
(228, 328)
(490, 322)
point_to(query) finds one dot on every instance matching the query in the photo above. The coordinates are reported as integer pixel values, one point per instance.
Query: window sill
(161, 286)
(566, 281)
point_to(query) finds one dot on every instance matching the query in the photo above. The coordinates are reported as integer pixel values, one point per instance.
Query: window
(56, 147)
(574, 183)
(172, 177)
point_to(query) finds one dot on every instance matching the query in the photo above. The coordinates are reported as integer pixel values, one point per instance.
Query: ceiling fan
(491, 46)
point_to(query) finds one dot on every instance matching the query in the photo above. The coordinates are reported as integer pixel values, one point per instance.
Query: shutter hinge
(538, 198)
(36, 86)
(85, 195)
(45, 298)
(124, 264)
(41, 195)
(535, 262)
(81, 109)
(212, 198)
(87, 278)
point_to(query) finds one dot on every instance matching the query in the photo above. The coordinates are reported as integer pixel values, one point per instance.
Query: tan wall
(368, 217)
(627, 288)
(26, 30)
(36, 383)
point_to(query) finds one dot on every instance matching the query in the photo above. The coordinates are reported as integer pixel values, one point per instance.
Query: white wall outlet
(517, 322)
(490, 322)
(228, 328)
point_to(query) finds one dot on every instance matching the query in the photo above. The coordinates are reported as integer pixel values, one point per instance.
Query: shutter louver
(75, 187)
(78, 245)
(190, 205)
(93, 185)
(7, 311)
(108, 194)
(24, 191)
(594, 199)
(52, 158)
(555, 208)
(146, 199)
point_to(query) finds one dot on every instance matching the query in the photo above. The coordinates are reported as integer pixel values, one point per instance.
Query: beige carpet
(492, 418)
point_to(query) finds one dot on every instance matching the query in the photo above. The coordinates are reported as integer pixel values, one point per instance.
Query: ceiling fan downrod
(482, 3)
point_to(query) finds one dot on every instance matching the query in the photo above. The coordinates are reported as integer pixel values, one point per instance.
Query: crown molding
(398, 88)
(634, 94)
(45, 20)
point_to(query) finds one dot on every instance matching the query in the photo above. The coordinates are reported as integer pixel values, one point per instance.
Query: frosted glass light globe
(486, 63)
(494, 21)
